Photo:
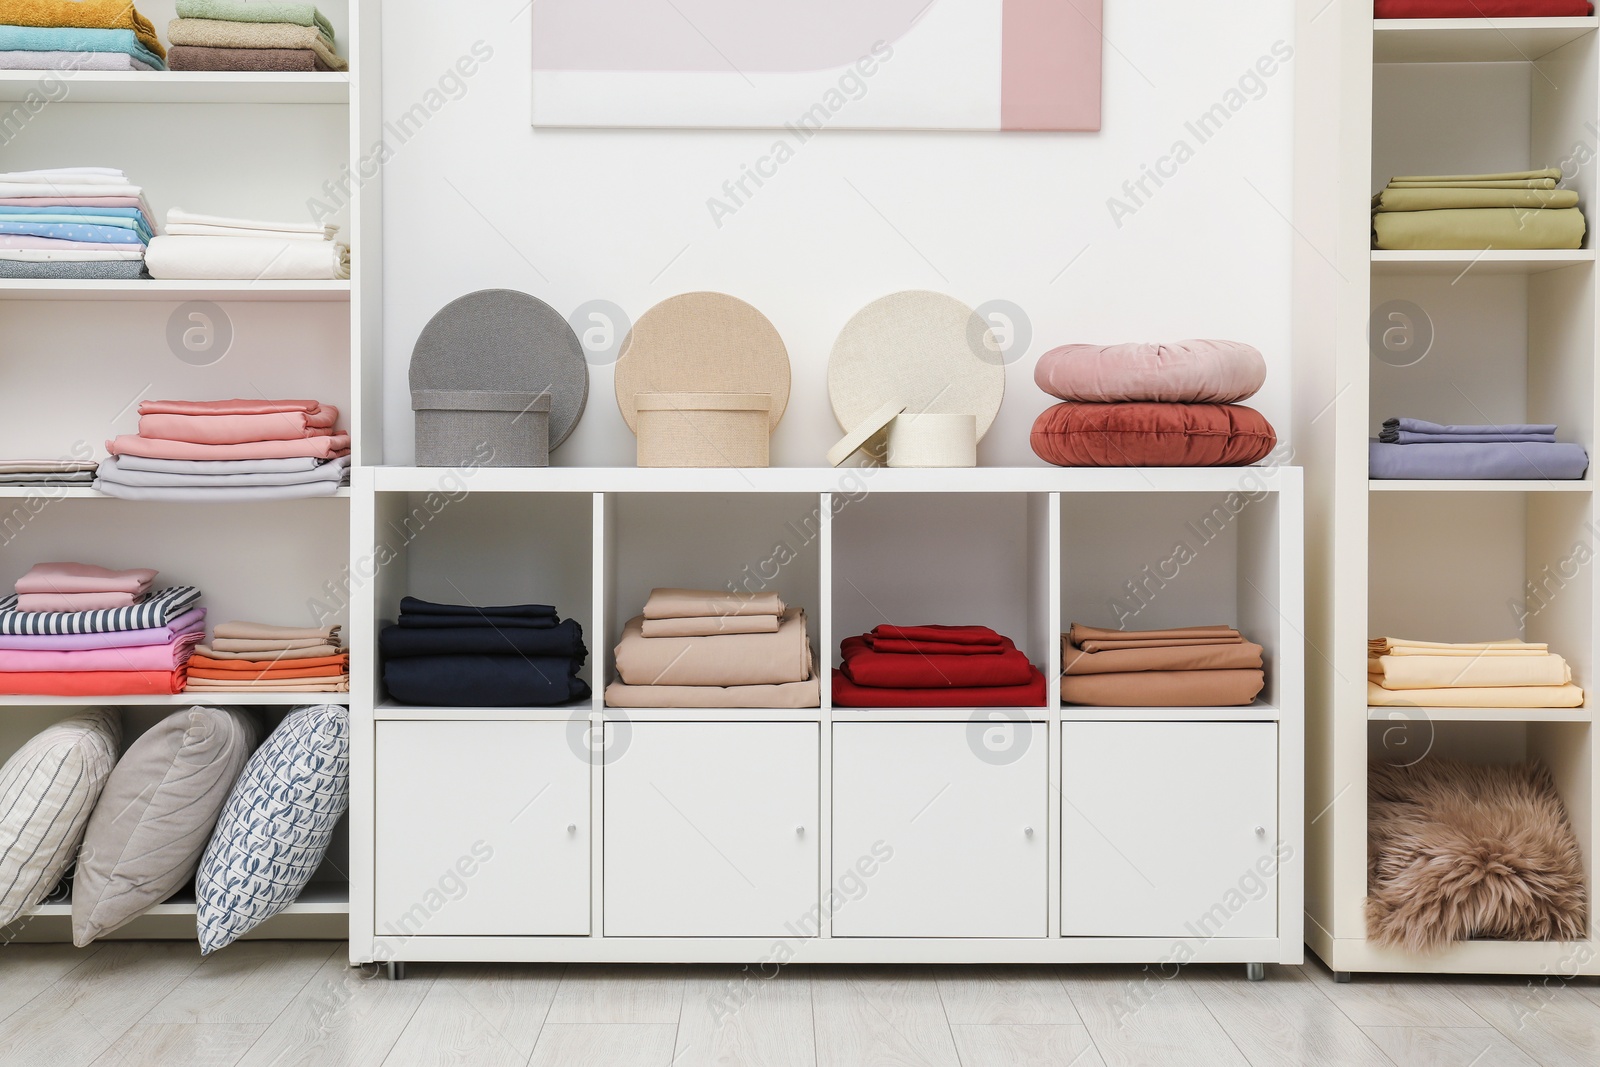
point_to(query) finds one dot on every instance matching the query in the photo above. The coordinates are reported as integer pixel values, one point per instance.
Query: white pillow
(47, 791)
(275, 829)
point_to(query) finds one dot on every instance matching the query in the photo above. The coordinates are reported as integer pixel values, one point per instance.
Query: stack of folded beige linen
(1486, 674)
(1190, 667)
(254, 656)
(1515, 209)
(697, 648)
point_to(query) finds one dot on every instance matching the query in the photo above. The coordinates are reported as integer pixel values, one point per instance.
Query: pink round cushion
(1184, 372)
(1152, 435)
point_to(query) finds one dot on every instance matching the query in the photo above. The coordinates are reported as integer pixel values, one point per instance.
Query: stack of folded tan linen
(47, 472)
(266, 35)
(705, 649)
(1484, 674)
(1516, 209)
(210, 248)
(1191, 667)
(256, 657)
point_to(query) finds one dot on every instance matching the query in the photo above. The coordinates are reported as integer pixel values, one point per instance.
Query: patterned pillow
(47, 791)
(276, 826)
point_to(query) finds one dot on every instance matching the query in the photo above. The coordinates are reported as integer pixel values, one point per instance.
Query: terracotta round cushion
(1184, 372)
(1152, 435)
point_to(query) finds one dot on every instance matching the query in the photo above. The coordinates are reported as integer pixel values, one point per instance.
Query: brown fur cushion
(1458, 851)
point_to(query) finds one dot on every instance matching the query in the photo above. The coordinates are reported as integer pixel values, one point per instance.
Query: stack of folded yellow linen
(1515, 209)
(1485, 674)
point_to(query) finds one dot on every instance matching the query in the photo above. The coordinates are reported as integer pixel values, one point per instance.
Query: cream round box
(933, 440)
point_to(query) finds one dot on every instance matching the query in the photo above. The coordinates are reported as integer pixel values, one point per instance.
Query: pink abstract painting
(814, 64)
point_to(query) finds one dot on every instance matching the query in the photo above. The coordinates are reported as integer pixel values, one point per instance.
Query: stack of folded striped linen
(254, 35)
(1485, 674)
(77, 35)
(257, 657)
(226, 450)
(47, 473)
(75, 629)
(210, 248)
(73, 223)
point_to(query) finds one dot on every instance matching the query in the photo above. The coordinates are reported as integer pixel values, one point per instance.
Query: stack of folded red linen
(936, 667)
(1479, 9)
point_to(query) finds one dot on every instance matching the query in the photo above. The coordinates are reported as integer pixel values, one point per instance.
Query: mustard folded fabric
(728, 659)
(806, 694)
(1514, 183)
(1546, 174)
(1531, 696)
(1479, 228)
(702, 603)
(84, 15)
(1442, 197)
(1467, 672)
(711, 626)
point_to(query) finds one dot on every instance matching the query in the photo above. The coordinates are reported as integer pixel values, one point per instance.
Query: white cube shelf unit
(80, 355)
(1513, 339)
(833, 834)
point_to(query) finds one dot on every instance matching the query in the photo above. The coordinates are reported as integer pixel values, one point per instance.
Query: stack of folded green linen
(267, 35)
(1517, 209)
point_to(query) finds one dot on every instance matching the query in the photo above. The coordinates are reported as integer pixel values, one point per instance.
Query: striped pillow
(47, 790)
(276, 826)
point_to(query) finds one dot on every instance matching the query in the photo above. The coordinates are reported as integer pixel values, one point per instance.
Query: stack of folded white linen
(209, 248)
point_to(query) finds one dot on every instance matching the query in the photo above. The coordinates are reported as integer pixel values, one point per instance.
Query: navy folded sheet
(475, 622)
(562, 639)
(1478, 461)
(412, 606)
(484, 681)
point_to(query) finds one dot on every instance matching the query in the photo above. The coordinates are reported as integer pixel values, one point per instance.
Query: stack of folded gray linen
(1515, 209)
(47, 472)
(1414, 449)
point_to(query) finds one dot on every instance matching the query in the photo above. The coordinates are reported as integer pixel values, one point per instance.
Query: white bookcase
(1513, 340)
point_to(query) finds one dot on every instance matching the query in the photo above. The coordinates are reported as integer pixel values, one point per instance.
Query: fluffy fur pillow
(1458, 851)
(1152, 435)
(1184, 372)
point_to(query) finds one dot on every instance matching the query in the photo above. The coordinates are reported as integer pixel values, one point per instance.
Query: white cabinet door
(711, 829)
(482, 830)
(937, 832)
(1169, 829)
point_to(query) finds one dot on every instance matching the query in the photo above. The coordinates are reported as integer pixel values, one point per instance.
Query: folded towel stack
(1481, 9)
(1190, 667)
(225, 450)
(1486, 674)
(209, 248)
(935, 667)
(85, 223)
(1515, 209)
(463, 656)
(74, 629)
(1411, 448)
(695, 648)
(78, 35)
(47, 472)
(254, 35)
(253, 656)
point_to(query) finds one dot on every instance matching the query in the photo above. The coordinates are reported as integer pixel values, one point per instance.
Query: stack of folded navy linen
(1413, 449)
(462, 656)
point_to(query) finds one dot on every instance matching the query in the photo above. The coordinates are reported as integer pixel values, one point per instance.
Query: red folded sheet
(846, 694)
(90, 683)
(1472, 9)
(898, 647)
(886, 670)
(955, 635)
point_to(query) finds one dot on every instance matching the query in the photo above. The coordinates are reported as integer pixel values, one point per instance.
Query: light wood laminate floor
(284, 1004)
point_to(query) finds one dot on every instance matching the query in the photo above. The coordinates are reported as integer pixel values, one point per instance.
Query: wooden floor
(283, 1004)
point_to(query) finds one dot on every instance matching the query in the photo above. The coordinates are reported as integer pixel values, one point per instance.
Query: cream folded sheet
(246, 259)
(1445, 672)
(725, 660)
(1509, 696)
(711, 626)
(702, 603)
(1399, 646)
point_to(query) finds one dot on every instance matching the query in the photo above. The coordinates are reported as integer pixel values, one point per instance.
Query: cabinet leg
(1256, 972)
(397, 971)
(1342, 976)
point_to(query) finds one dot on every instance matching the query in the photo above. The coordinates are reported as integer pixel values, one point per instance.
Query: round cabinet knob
(800, 831)
(572, 827)
(1027, 831)
(1261, 831)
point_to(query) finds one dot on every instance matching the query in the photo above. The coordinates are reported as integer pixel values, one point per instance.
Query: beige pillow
(145, 838)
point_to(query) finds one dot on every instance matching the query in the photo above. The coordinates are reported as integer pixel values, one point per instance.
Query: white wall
(479, 199)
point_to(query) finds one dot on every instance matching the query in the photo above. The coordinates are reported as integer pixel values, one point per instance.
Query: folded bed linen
(298, 14)
(142, 658)
(73, 255)
(194, 224)
(85, 15)
(61, 480)
(972, 636)
(295, 675)
(16, 242)
(1444, 197)
(1499, 9)
(275, 655)
(91, 683)
(470, 622)
(69, 39)
(806, 694)
(411, 605)
(200, 57)
(72, 231)
(239, 429)
(87, 175)
(217, 495)
(329, 447)
(10, 190)
(99, 270)
(1396, 431)
(216, 33)
(1532, 696)
(1479, 228)
(1514, 461)
(484, 681)
(711, 626)
(1098, 638)
(1547, 174)
(704, 603)
(124, 219)
(896, 646)
(1400, 646)
(1164, 689)
(317, 664)
(112, 470)
(730, 659)
(79, 201)
(73, 61)
(847, 694)
(563, 639)
(70, 577)
(1241, 656)
(889, 670)
(1444, 672)
(262, 631)
(191, 621)
(201, 685)
(76, 601)
(159, 610)
(212, 467)
(246, 258)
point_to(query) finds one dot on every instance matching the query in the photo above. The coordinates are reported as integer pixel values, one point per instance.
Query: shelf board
(1388, 714)
(181, 87)
(1474, 40)
(1464, 485)
(318, 898)
(152, 289)
(851, 480)
(1494, 261)
(56, 492)
(174, 700)
(392, 710)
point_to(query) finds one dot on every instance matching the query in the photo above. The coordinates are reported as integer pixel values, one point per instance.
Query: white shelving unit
(257, 145)
(1513, 339)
